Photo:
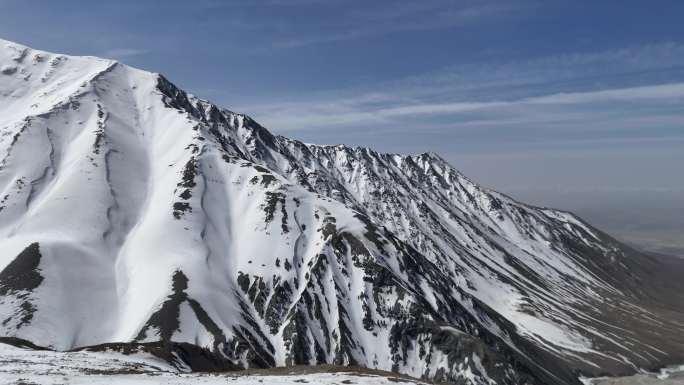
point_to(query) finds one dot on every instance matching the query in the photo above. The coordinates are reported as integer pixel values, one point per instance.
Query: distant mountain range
(134, 215)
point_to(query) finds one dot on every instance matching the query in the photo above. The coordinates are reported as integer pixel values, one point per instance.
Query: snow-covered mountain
(135, 214)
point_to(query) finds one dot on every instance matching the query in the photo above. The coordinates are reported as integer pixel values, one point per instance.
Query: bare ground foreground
(666, 377)
(23, 365)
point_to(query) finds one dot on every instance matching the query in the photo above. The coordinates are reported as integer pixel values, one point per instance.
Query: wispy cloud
(667, 93)
(598, 89)
(402, 17)
(123, 53)
(303, 23)
(548, 109)
(631, 65)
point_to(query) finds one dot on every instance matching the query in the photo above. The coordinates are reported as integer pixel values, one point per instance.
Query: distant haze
(649, 220)
(573, 104)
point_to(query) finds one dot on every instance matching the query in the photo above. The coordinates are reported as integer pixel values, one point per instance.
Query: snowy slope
(132, 212)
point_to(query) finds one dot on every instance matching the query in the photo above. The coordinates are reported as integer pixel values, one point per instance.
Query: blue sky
(546, 100)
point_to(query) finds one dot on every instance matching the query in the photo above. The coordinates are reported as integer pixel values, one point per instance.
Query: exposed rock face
(17, 281)
(134, 213)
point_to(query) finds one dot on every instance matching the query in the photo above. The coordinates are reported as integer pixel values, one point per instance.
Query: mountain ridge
(194, 224)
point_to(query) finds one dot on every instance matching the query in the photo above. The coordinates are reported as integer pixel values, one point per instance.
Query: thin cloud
(123, 53)
(403, 17)
(667, 93)
(547, 89)
(314, 116)
(573, 71)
